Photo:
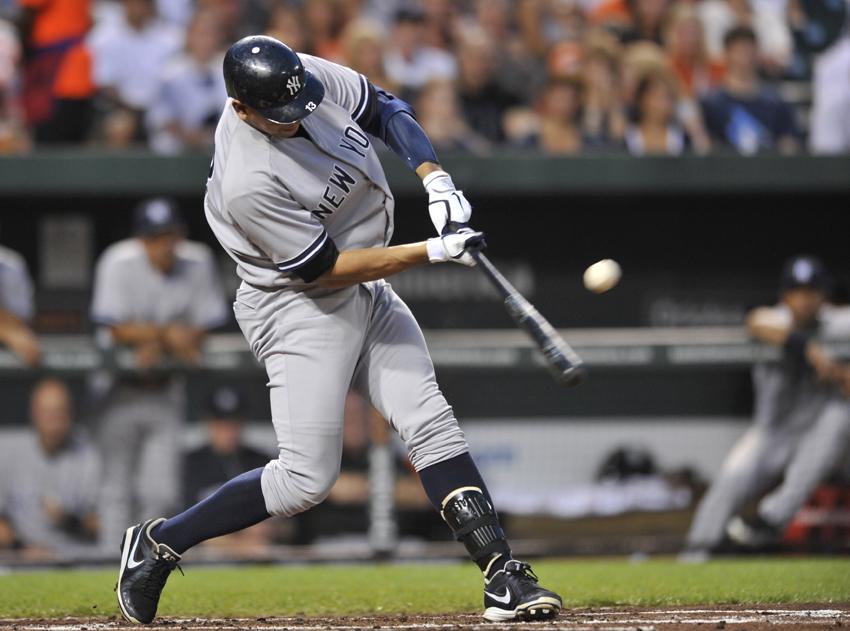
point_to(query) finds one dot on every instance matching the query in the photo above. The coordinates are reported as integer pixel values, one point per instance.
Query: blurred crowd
(560, 76)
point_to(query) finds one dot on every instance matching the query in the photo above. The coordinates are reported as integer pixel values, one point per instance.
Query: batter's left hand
(445, 203)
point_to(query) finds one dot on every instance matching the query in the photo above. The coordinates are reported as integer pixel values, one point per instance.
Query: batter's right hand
(455, 247)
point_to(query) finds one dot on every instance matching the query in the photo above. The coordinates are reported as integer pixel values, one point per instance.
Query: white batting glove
(445, 203)
(453, 247)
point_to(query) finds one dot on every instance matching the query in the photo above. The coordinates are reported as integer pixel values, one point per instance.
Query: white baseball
(602, 276)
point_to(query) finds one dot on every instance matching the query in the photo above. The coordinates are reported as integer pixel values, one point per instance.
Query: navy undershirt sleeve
(393, 120)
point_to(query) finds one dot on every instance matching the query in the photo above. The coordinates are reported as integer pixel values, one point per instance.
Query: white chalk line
(600, 619)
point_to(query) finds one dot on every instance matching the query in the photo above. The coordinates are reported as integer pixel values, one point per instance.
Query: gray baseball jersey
(127, 288)
(283, 208)
(15, 285)
(280, 206)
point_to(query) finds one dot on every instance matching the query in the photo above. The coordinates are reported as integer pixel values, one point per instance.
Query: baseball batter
(801, 425)
(297, 196)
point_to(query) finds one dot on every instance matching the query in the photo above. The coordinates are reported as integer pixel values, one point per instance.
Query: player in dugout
(801, 425)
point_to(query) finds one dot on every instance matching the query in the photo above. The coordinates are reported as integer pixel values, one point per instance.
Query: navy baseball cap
(157, 216)
(225, 402)
(804, 272)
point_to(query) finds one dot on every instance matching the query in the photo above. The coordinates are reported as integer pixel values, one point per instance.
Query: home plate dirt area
(809, 618)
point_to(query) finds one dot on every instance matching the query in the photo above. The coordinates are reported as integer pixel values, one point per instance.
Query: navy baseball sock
(441, 479)
(236, 505)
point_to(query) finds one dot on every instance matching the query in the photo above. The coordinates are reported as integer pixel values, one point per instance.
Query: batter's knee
(434, 438)
(288, 492)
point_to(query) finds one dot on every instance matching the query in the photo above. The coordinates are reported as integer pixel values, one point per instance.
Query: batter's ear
(240, 109)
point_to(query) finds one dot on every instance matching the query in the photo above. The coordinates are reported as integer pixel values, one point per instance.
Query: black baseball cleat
(753, 532)
(145, 566)
(512, 593)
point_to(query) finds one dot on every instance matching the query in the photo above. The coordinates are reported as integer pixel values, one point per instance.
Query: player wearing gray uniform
(801, 425)
(16, 307)
(157, 293)
(299, 200)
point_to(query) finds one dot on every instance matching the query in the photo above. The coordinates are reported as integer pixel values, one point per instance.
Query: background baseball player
(158, 294)
(298, 198)
(16, 307)
(801, 420)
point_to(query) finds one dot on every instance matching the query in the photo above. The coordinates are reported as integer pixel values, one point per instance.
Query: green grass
(340, 589)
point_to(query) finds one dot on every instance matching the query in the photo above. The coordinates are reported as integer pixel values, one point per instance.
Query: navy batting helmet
(267, 75)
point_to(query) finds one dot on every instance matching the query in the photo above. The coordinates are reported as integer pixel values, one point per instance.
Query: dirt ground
(807, 618)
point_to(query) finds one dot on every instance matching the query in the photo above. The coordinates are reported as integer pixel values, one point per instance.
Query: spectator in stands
(767, 19)
(157, 294)
(439, 23)
(647, 20)
(129, 56)
(411, 63)
(801, 428)
(363, 45)
(57, 82)
(483, 99)
(830, 121)
(191, 93)
(603, 118)
(224, 457)
(559, 117)
(49, 480)
(743, 114)
(287, 25)
(323, 24)
(655, 130)
(438, 110)
(239, 17)
(685, 46)
(546, 24)
(13, 137)
(638, 60)
(520, 71)
(16, 307)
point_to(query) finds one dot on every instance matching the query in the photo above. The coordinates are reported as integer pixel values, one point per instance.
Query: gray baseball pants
(140, 446)
(315, 345)
(759, 459)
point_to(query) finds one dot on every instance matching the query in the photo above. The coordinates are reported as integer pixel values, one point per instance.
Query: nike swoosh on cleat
(131, 559)
(505, 599)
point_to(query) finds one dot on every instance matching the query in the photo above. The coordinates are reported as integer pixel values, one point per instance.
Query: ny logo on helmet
(293, 85)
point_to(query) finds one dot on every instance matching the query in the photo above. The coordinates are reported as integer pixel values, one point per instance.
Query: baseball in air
(602, 276)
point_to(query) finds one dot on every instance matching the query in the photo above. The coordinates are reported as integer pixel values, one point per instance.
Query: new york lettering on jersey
(341, 154)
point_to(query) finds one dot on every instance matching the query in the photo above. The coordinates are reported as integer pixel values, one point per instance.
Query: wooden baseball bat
(563, 362)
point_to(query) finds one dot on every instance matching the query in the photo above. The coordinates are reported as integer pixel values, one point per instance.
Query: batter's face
(263, 124)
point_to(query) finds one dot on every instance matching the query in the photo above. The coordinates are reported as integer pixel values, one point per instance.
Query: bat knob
(572, 376)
